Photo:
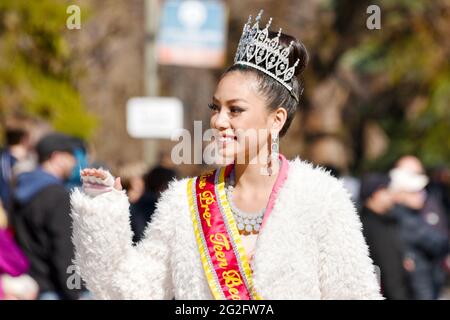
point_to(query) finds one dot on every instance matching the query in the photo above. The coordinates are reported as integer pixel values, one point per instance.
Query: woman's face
(241, 117)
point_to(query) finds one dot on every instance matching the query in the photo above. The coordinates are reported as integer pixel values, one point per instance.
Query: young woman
(253, 229)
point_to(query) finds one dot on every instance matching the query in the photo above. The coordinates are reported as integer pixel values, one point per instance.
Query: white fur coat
(312, 246)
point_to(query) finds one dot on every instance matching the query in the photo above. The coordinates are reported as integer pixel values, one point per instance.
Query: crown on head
(257, 50)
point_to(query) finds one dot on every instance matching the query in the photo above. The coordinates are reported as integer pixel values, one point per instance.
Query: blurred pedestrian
(156, 181)
(15, 150)
(432, 210)
(132, 179)
(41, 219)
(381, 231)
(425, 245)
(439, 188)
(15, 284)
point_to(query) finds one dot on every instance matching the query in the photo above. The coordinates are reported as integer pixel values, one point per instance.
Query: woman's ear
(279, 118)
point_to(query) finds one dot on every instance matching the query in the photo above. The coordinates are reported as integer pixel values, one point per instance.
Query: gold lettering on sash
(234, 294)
(207, 217)
(202, 182)
(206, 198)
(220, 242)
(220, 239)
(232, 279)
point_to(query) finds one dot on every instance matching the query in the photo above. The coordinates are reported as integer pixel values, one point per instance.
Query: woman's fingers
(98, 181)
(118, 184)
(98, 177)
(87, 172)
(98, 173)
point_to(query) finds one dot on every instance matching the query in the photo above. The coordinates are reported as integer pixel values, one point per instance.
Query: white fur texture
(312, 246)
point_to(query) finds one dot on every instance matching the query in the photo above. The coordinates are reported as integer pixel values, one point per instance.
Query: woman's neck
(254, 174)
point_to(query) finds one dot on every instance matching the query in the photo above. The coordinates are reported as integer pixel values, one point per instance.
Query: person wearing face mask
(258, 227)
(41, 220)
(425, 246)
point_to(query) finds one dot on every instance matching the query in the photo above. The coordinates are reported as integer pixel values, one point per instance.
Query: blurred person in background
(132, 179)
(41, 219)
(425, 244)
(16, 149)
(433, 210)
(35, 128)
(15, 284)
(381, 230)
(156, 181)
(439, 187)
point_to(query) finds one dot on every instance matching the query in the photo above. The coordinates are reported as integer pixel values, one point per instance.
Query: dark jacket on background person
(156, 181)
(425, 246)
(433, 213)
(42, 224)
(386, 250)
(141, 212)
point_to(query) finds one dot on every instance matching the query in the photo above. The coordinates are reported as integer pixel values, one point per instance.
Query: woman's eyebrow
(231, 100)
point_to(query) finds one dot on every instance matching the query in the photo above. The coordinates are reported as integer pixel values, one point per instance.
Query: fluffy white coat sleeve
(110, 266)
(346, 270)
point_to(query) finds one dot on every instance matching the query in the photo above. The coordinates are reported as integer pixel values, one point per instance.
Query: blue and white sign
(193, 33)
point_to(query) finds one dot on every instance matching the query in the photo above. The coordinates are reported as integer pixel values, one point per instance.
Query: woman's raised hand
(98, 181)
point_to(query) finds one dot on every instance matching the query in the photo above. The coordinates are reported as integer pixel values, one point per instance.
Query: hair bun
(298, 51)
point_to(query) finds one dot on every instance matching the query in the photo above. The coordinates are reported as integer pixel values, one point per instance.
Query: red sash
(223, 257)
(221, 251)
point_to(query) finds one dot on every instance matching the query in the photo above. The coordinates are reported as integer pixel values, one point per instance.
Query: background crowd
(36, 249)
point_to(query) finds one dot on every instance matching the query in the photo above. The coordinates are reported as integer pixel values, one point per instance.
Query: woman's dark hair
(276, 94)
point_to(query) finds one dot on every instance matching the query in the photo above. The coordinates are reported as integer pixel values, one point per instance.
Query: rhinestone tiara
(257, 50)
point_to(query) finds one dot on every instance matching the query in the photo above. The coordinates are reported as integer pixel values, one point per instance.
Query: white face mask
(408, 181)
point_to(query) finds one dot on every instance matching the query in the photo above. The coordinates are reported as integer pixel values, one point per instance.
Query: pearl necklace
(247, 223)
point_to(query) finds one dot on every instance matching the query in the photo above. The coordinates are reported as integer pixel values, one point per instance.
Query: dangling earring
(274, 152)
